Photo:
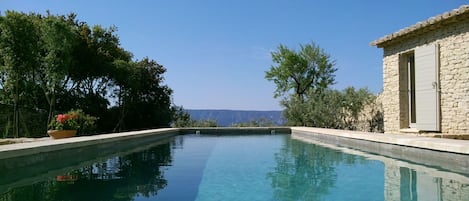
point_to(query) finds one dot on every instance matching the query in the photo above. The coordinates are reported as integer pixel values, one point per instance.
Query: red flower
(61, 118)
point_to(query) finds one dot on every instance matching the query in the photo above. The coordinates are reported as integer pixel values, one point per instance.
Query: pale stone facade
(450, 31)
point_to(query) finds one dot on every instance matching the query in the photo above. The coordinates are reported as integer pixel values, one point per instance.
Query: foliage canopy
(303, 79)
(310, 68)
(55, 63)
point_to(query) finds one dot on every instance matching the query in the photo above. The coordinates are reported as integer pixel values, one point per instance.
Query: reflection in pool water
(116, 178)
(254, 167)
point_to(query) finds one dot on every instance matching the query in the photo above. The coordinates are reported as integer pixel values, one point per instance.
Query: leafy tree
(354, 101)
(56, 63)
(330, 109)
(95, 67)
(181, 118)
(144, 101)
(96, 73)
(18, 50)
(308, 69)
(303, 79)
(318, 110)
(56, 43)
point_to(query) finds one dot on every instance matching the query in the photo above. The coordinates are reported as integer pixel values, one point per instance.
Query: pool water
(242, 167)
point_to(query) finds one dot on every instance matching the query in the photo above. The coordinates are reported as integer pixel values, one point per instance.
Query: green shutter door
(426, 88)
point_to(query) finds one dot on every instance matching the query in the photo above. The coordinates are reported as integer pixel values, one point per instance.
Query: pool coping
(42, 146)
(436, 144)
(430, 143)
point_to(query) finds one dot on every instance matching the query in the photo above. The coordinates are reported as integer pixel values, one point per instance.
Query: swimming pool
(230, 167)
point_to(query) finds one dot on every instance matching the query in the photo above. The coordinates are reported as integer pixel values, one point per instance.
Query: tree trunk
(16, 129)
(51, 101)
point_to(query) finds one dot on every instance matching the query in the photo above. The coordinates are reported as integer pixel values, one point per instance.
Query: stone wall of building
(391, 92)
(453, 41)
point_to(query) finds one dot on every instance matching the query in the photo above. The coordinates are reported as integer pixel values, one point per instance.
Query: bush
(74, 120)
(348, 109)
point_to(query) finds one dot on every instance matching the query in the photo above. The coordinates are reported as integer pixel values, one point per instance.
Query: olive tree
(299, 74)
(310, 68)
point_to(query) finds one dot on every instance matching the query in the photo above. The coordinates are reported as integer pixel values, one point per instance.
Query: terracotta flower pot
(59, 134)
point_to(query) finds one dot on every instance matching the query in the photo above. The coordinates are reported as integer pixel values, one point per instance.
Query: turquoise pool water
(245, 167)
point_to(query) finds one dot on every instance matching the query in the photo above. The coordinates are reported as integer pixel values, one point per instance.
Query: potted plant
(68, 124)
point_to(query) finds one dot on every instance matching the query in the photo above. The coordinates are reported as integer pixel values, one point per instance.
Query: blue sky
(217, 52)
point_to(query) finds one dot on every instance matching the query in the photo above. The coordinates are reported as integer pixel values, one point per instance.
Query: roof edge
(420, 25)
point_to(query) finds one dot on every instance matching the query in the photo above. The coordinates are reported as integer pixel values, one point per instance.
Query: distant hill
(229, 117)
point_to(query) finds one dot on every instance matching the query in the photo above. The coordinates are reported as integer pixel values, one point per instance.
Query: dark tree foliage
(142, 100)
(181, 118)
(55, 63)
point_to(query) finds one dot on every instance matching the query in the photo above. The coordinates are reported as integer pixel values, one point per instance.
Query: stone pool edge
(42, 146)
(436, 144)
(429, 143)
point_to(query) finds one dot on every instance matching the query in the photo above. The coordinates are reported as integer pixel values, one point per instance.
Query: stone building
(426, 76)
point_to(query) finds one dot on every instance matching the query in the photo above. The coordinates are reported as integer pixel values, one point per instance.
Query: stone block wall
(391, 102)
(453, 41)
